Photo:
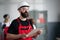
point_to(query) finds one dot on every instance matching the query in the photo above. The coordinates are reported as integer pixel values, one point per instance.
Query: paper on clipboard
(33, 32)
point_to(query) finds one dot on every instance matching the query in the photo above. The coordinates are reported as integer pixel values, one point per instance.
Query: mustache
(25, 12)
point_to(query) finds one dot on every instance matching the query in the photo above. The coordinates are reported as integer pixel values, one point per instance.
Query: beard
(25, 14)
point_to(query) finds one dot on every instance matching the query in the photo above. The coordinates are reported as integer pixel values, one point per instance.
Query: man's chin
(25, 16)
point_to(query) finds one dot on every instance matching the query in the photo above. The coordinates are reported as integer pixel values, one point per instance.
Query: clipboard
(34, 31)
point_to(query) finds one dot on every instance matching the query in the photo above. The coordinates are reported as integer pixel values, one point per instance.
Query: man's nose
(26, 11)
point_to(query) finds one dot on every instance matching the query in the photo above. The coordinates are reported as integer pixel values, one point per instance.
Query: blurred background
(49, 8)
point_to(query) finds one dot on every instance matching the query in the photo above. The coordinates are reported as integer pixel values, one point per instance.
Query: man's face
(7, 17)
(24, 12)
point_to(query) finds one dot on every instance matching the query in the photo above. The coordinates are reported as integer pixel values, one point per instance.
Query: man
(5, 24)
(21, 26)
(6, 21)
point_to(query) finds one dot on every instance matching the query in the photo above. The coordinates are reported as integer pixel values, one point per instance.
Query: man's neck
(23, 19)
(6, 21)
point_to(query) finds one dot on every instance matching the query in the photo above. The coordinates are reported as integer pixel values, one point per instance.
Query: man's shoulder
(15, 20)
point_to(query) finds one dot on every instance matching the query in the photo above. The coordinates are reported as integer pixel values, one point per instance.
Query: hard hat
(23, 4)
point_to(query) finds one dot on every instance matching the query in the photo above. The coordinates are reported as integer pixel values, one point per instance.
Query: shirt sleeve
(34, 26)
(13, 29)
(3, 26)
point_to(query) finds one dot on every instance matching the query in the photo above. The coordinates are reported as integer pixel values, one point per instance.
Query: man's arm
(13, 31)
(15, 36)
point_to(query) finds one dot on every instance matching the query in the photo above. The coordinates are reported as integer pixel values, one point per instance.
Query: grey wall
(53, 30)
(10, 7)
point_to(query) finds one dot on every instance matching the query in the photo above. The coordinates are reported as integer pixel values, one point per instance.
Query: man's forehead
(25, 7)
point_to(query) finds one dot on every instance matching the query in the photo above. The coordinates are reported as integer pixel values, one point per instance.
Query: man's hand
(38, 33)
(22, 35)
